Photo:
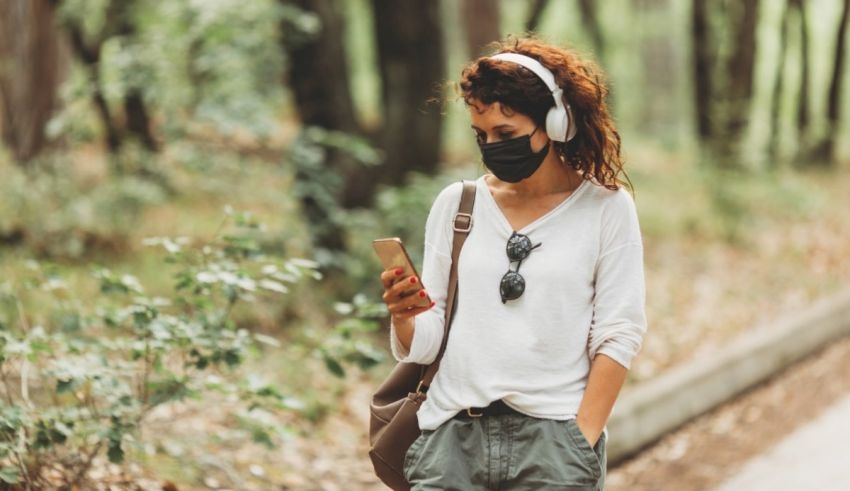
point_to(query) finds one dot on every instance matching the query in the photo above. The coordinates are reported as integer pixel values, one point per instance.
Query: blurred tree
(29, 74)
(318, 73)
(778, 87)
(724, 50)
(333, 171)
(590, 20)
(535, 13)
(87, 46)
(318, 76)
(703, 59)
(794, 9)
(803, 96)
(411, 62)
(659, 68)
(481, 21)
(825, 151)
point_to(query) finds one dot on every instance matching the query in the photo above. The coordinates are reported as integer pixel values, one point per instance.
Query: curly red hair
(595, 150)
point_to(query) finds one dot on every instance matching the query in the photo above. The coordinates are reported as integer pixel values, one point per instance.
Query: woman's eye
(480, 137)
(505, 136)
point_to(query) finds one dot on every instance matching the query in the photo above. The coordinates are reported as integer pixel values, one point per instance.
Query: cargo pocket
(590, 455)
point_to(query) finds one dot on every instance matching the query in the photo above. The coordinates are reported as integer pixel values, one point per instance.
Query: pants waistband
(495, 408)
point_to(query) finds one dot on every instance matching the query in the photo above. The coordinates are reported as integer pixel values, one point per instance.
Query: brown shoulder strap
(461, 224)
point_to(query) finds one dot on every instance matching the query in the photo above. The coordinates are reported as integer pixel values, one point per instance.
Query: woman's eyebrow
(497, 127)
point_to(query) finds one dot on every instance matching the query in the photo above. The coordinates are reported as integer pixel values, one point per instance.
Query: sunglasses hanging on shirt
(518, 248)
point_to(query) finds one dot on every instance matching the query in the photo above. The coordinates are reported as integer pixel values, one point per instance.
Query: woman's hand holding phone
(402, 306)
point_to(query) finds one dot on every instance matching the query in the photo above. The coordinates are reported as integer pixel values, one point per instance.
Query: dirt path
(704, 452)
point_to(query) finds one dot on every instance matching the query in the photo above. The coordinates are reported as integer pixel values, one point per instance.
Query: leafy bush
(57, 215)
(79, 377)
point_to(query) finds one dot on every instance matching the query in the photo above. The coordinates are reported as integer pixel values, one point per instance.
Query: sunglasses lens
(519, 247)
(512, 286)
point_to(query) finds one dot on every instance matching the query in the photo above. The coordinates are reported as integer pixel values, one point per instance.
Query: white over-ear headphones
(559, 125)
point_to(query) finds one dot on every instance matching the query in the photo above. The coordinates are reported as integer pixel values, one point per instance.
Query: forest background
(189, 190)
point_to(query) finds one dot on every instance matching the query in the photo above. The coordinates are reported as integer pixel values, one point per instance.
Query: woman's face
(491, 124)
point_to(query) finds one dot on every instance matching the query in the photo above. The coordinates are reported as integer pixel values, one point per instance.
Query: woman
(535, 359)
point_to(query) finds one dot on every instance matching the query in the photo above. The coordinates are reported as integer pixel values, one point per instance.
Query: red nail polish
(399, 271)
(433, 304)
(422, 293)
(413, 279)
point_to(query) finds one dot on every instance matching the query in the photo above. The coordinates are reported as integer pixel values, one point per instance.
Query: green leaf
(63, 386)
(115, 452)
(232, 357)
(10, 475)
(333, 365)
(261, 436)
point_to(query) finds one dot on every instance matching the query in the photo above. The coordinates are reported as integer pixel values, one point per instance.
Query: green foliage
(55, 214)
(359, 316)
(681, 198)
(218, 63)
(89, 376)
(321, 183)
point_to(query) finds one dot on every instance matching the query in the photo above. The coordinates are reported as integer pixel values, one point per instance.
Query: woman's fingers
(394, 292)
(394, 286)
(396, 301)
(390, 276)
(409, 283)
(402, 311)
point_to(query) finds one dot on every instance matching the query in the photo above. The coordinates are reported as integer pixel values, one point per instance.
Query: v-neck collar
(488, 197)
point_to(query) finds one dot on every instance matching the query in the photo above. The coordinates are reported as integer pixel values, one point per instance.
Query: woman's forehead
(493, 114)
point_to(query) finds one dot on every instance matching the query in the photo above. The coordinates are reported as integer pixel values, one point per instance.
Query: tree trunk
(138, 121)
(318, 71)
(412, 65)
(826, 149)
(723, 103)
(778, 87)
(590, 19)
(534, 14)
(803, 98)
(318, 76)
(89, 56)
(118, 22)
(29, 74)
(703, 60)
(741, 68)
(481, 21)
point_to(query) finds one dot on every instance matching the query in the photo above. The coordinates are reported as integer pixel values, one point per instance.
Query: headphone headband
(535, 66)
(558, 121)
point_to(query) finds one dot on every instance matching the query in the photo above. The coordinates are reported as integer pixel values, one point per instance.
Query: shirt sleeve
(619, 316)
(436, 267)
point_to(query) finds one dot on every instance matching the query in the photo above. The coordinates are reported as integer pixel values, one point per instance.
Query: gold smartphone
(393, 255)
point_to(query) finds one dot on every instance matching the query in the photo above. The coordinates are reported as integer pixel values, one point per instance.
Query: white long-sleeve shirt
(584, 295)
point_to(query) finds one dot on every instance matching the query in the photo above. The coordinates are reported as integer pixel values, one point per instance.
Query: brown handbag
(393, 425)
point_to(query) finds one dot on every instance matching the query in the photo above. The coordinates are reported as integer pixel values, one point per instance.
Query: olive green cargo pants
(512, 452)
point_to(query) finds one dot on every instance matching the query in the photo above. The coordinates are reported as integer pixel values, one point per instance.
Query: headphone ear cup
(570, 124)
(556, 124)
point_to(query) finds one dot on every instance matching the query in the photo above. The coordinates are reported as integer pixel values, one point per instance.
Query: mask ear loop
(548, 140)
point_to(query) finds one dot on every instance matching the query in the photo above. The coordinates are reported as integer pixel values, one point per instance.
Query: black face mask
(513, 160)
